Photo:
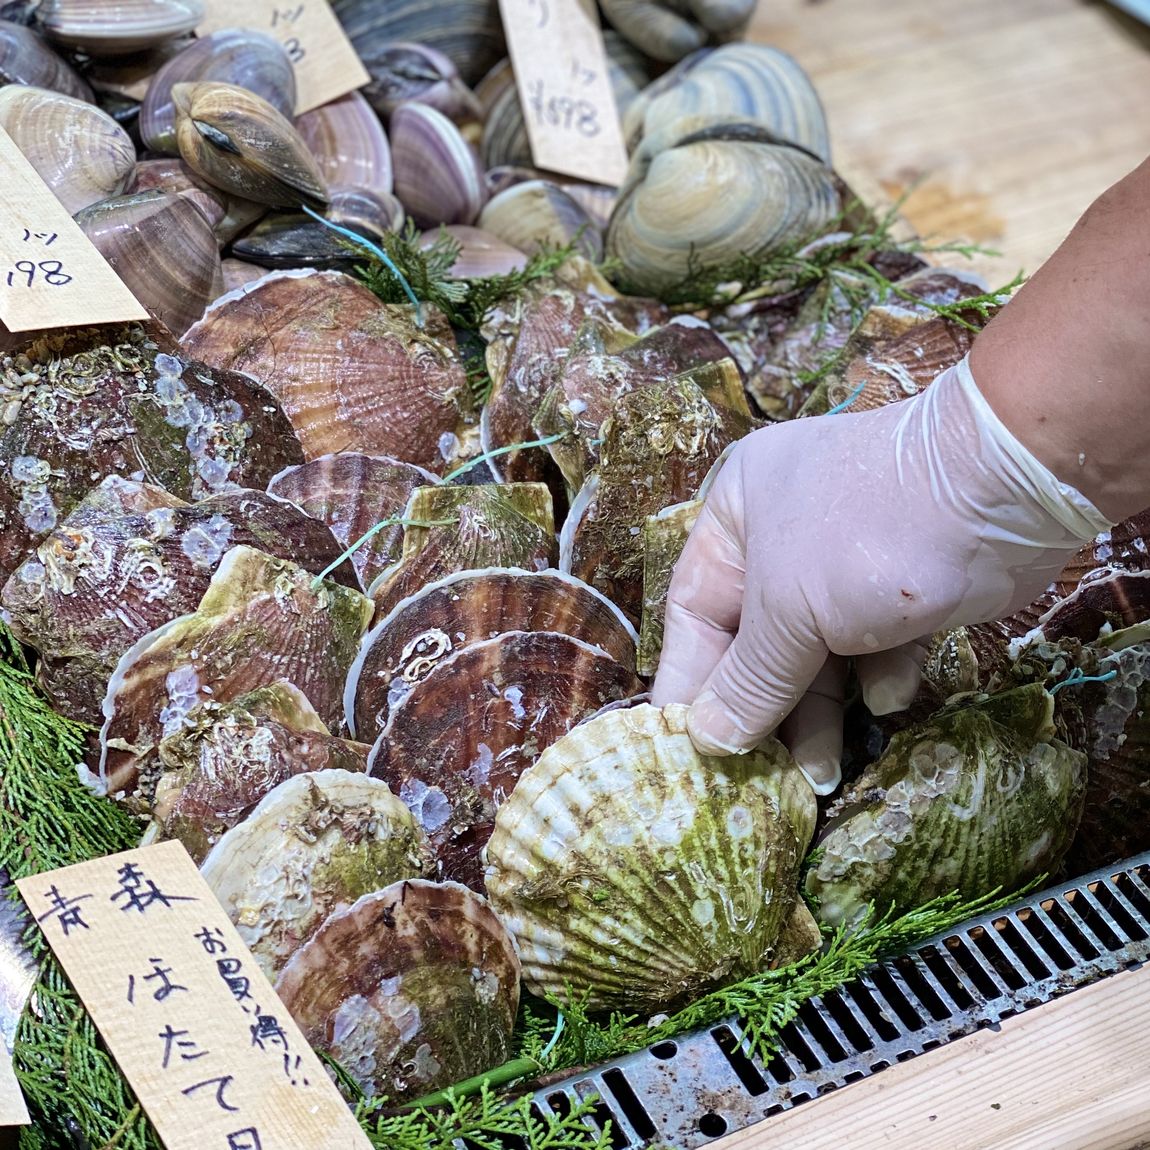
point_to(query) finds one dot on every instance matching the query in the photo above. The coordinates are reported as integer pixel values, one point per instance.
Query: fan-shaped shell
(351, 493)
(411, 989)
(115, 401)
(241, 56)
(312, 846)
(353, 374)
(102, 29)
(228, 756)
(500, 525)
(349, 143)
(129, 232)
(980, 798)
(630, 867)
(25, 59)
(707, 202)
(444, 617)
(131, 557)
(455, 745)
(80, 152)
(261, 620)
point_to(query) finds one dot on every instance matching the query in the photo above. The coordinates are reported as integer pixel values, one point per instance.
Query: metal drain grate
(687, 1092)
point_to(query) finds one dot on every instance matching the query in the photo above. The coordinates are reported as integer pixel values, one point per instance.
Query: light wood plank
(1073, 1074)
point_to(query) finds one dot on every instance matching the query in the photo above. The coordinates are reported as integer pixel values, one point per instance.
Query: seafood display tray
(691, 1091)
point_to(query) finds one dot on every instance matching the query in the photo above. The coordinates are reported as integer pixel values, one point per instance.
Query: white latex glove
(854, 534)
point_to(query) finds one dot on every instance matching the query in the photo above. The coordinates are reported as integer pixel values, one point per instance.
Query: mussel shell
(468, 607)
(351, 493)
(241, 56)
(80, 152)
(25, 59)
(458, 741)
(100, 29)
(538, 214)
(411, 989)
(118, 401)
(240, 143)
(313, 845)
(261, 620)
(437, 175)
(468, 32)
(348, 142)
(353, 374)
(131, 557)
(163, 248)
(630, 868)
(228, 756)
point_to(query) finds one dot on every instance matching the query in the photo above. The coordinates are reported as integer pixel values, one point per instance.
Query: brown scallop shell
(85, 403)
(410, 989)
(465, 608)
(501, 525)
(261, 620)
(351, 493)
(131, 557)
(658, 446)
(227, 756)
(353, 374)
(456, 744)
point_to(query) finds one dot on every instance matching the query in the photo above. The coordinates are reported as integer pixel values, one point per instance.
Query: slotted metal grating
(690, 1091)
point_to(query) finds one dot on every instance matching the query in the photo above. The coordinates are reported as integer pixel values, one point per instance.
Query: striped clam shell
(671, 31)
(102, 29)
(26, 59)
(539, 214)
(348, 142)
(438, 178)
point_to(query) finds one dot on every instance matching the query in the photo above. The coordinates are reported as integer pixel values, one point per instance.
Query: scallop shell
(468, 32)
(480, 253)
(129, 231)
(411, 989)
(349, 143)
(437, 175)
(403, 73)
(707, 202)
(131, 557)
(369, 381)
(538, 214)
(630, 868)
(241, 56)
(351, 493)
(240, 143)
(664, 537)
(457, 742)
(90, 402)
(228, 756)
(502, 525)
(658, 446)
(261, 620)
(468, 607)
(982, 797)
(25, 59)
(313, 845)
(80, 152)
(101, 29)
(747, 83)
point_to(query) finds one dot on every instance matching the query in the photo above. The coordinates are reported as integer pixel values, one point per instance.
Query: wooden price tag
(213, 1056)
(13, 1109)
(50, 273)
(326, 65)
(560, 65)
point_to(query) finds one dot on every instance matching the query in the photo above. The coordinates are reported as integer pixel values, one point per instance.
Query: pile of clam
(419, 770)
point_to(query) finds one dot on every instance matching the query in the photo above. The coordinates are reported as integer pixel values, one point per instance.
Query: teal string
(848, 401)
(1076, 678)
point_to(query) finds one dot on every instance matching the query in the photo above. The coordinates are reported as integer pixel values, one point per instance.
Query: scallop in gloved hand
(131, 557)
(456, 744)
(468, 607)
(412, 989)
(312, 846)
(629, 867)
(227, 756)
(261, 620)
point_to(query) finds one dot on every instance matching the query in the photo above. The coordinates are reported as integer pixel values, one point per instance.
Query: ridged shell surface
(630, 867)
(422, 631)
(411, 989)
(312, 846)
(102, 29)
(664, 537)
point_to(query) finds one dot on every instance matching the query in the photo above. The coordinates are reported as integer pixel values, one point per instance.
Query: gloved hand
(855, 534)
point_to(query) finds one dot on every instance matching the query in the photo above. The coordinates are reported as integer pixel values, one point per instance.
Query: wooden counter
(1013, 114)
